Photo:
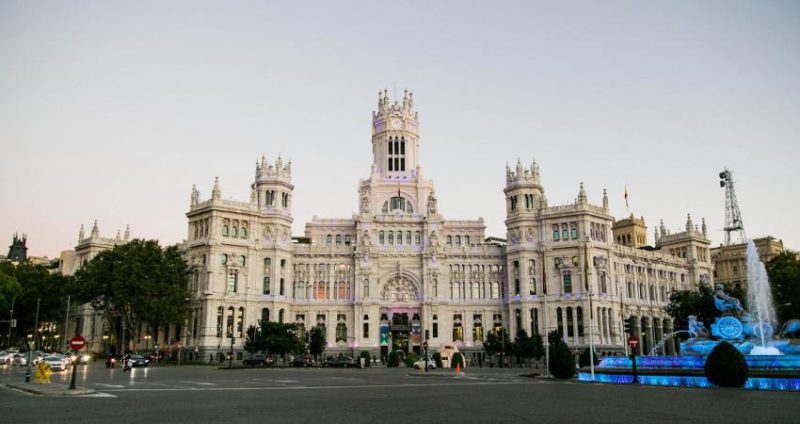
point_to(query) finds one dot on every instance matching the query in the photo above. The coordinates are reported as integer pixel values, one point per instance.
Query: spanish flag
(626, 196)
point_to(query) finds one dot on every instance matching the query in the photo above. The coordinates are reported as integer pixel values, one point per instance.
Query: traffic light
(628, 325)
(427, 334)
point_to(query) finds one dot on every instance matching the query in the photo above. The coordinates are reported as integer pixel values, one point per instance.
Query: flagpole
(591, 307)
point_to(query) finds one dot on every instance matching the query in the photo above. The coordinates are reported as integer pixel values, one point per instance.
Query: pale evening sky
(112, 110)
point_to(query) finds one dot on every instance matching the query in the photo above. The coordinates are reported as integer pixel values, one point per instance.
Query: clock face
(396, 123)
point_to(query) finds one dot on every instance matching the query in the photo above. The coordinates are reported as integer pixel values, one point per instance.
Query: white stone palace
(398, 268)
(379, 280)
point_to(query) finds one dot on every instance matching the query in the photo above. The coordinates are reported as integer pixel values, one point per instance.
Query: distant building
(83, 318)
(730, 261)
(18, 251)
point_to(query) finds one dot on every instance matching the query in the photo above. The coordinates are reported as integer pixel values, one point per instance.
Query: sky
(112, 110)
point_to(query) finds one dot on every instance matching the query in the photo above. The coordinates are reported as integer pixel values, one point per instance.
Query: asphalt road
(200, 394)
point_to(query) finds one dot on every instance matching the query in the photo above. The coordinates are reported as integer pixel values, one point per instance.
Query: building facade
(397, 268)
(730, 262)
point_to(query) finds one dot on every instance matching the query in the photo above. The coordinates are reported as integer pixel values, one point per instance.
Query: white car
(431, 363)
(5, 358)
(57, 363)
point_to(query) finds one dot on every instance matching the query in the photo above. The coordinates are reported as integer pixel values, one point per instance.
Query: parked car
(301, 361)
(421, 361)
(5, 358)
(57, 363)
(341, 362)
(258, 359)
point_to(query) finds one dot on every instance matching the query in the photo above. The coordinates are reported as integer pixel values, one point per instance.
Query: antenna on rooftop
(733, 218)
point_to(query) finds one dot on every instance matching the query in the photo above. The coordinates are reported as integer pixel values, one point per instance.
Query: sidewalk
(52, 389)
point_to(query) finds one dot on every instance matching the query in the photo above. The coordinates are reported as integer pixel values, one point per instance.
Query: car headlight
(86, 358)
(73, 358)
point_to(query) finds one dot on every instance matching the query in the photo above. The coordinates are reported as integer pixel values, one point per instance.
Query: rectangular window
(396, 164)
(556, 232)
(402, 164)
(564, 235)
(408, 237)
(391, 237)
(567, 282)
(232, 282)
(365, 331)
(266, 285)
(573, 230)
(435, 330)
(347, 240)
(416, 237)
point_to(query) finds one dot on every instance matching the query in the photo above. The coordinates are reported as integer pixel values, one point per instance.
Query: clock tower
(395, 138)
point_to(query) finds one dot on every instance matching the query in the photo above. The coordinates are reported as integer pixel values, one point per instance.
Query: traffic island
(52, 389)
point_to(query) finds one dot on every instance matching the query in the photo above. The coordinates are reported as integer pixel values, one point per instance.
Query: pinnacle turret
(215, 192)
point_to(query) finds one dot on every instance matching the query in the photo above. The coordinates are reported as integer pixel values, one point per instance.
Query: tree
(498, 343)
(562, 364)
(699, 303)
(316, 344)
(584, 360)
(528, 347)
(136, 282)
(784, 277)
(280, 338)
(25, 284)
(253, 341)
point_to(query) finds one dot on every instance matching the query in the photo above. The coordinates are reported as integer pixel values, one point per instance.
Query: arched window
(555, 232)
(417, 238)
(329, 239)
(570, 323)
(450, 240)
(579, 311)
(466, 240)
(280, 316)
(224, 230)
(243, 232)
(338, 239)
(380, 237)
(235, 231)
(573, 230)
(341, 329)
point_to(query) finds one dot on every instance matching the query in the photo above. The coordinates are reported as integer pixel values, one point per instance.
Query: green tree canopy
(316, 344)
(137, 282)
(784, 276)
(26, 283)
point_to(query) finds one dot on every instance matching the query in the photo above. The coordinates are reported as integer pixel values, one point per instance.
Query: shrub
(367, 358)
(391, 361)
(458, 358)
(726, 367)
(583, 360)
(562, 364)
(437, 357)
(410, 359)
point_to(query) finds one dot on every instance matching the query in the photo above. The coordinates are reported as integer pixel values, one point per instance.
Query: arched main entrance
(401, 324)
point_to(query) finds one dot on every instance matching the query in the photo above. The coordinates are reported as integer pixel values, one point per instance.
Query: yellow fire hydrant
(43, 373)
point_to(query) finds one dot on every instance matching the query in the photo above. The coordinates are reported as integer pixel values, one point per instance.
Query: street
(197, 393)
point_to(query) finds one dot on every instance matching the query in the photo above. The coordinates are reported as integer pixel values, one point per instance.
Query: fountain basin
(767, 372)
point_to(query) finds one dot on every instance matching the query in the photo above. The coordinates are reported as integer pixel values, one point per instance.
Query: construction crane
(733, 218)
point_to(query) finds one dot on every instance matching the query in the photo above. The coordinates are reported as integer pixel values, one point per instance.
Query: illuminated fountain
(773, 362)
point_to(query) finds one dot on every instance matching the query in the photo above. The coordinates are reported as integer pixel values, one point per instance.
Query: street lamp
(147, 338)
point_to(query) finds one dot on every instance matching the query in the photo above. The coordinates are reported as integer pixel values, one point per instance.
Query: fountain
(773, 361)
(759, 300)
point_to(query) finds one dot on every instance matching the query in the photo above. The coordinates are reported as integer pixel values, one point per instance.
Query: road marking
(199, 383)
(99, 395)
(337, 387)
(113, 386)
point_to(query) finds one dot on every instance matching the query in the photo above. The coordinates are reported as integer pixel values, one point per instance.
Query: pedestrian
(210, 358)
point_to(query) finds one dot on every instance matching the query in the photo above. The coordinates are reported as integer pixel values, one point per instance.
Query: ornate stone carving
(400, 289)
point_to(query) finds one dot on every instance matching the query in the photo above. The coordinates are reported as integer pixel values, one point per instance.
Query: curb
(51, 390)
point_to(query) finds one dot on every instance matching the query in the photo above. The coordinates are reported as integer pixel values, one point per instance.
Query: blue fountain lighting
(753, 383)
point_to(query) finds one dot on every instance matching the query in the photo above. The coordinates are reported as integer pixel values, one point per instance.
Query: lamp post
(591, 307)
(147, 338)
(230, 358)
(30, 358)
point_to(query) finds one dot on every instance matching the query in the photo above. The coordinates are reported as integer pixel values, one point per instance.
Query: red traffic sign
(77, 343)
(633, 341)
(425, 345)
